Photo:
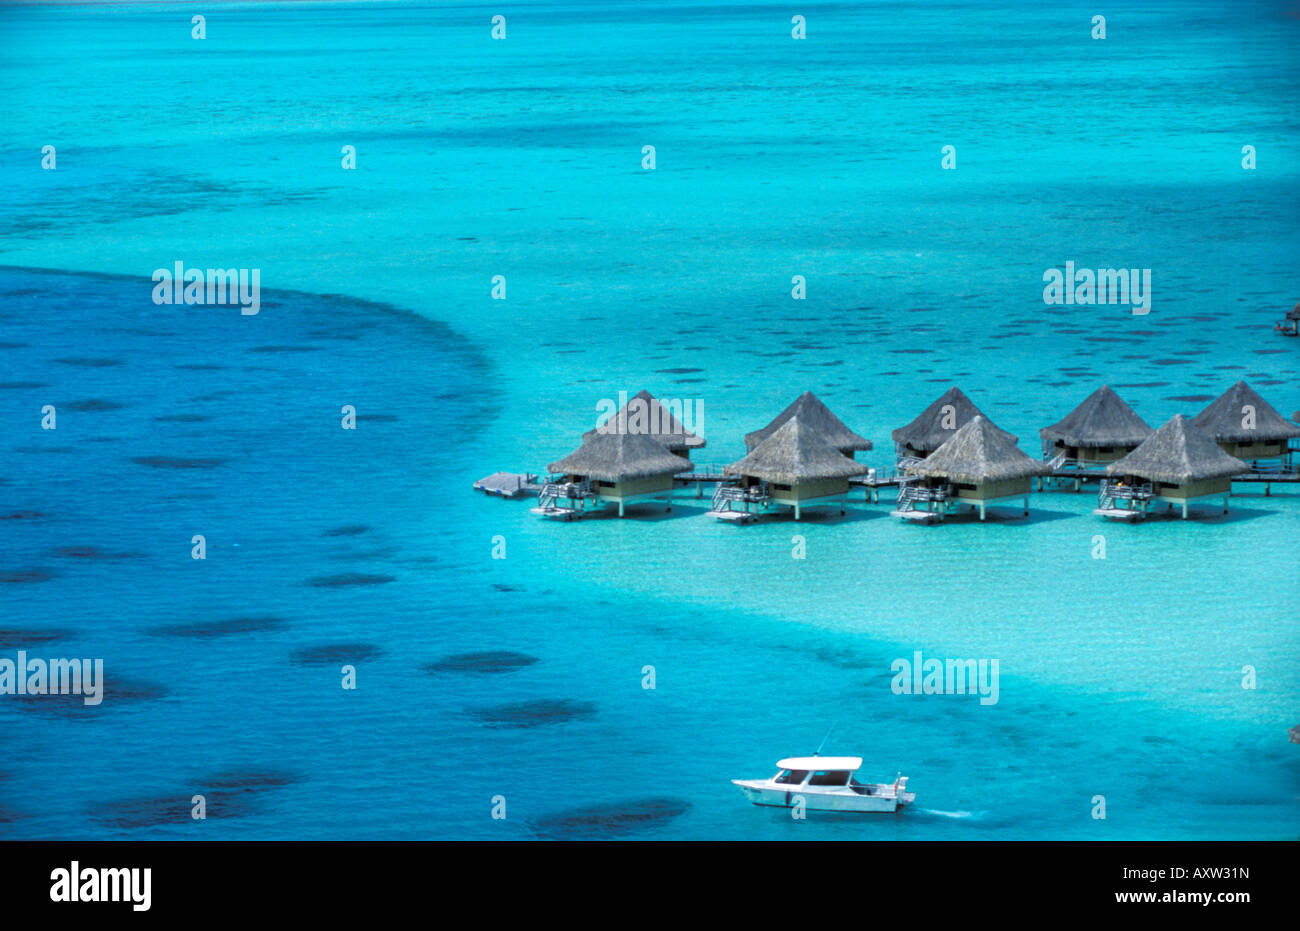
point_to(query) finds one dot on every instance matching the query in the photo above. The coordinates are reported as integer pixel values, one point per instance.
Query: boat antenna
(824, 739)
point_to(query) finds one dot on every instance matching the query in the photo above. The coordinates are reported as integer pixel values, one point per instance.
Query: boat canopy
(820, 763)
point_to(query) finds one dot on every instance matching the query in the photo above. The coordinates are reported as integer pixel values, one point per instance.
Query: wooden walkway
(526, 484)
(1250, 478)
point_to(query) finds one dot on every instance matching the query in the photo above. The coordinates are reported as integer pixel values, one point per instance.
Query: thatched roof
(643, 414)
(613, 457)
(979, 452)
(1222, 419)
(1103, 419)
(927, 433)
(1177, 453)
(795, 453)
(810, 409)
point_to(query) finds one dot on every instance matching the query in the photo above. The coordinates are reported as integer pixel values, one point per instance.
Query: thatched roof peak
(795, 453)
(979, 452)
(1176, 454)
(614, 457)
(644, 414)
(1223, 418)
(810, 409)
(1103, 419)
(933, 427)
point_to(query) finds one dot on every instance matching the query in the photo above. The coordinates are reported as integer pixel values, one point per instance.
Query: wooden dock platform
(1128, 515)
(918, 517)
(735, 517)
(558, 513)
(509, 484)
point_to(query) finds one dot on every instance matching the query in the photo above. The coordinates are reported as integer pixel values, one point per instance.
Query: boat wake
(948, 814)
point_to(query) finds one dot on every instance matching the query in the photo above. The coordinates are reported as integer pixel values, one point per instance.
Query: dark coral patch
(331, 654)
(91, 405)
(14, 637)
(182, 418)
(91, 552)
(176, 462)
(610, 821)
(347, 579)
(222, 628)
(112, 692)
(348, 530)
(489, 661)
(228, 795)
(535, 713)
(89, 363)
(21, 576)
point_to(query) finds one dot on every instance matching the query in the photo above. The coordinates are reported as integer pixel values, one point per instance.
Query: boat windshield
(791, 777)
(830, 777)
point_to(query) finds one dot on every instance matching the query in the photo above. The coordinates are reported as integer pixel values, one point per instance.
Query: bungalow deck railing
(886, 476)
(726, 495)
(911, 495)
(704, 472)
(1268, 467)
(552, 491)
(1113, 493)
(1060, 460)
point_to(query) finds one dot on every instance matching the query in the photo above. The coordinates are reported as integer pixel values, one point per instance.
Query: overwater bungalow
(1101, 429)
(812, 413)
(978, 465)
(645, 415)
(609, 468)
(1179, 463)
(935, 425)
(1249, 428)
(1290, 325)
(796, 466)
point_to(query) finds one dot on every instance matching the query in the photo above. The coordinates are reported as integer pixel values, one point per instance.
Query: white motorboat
(825, 783)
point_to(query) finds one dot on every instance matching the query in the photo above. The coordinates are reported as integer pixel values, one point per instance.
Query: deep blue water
(1119, 677)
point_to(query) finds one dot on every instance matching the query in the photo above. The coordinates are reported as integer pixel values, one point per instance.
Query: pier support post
(620, 507)
(1025, 502)
(981, 510)
(796, 511)
(1184, 510)
(1225, 504)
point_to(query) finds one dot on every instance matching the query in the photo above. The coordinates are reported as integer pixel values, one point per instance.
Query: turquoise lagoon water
(1119, 677)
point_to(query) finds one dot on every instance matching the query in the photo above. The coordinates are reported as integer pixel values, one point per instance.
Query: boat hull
(881, 799)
